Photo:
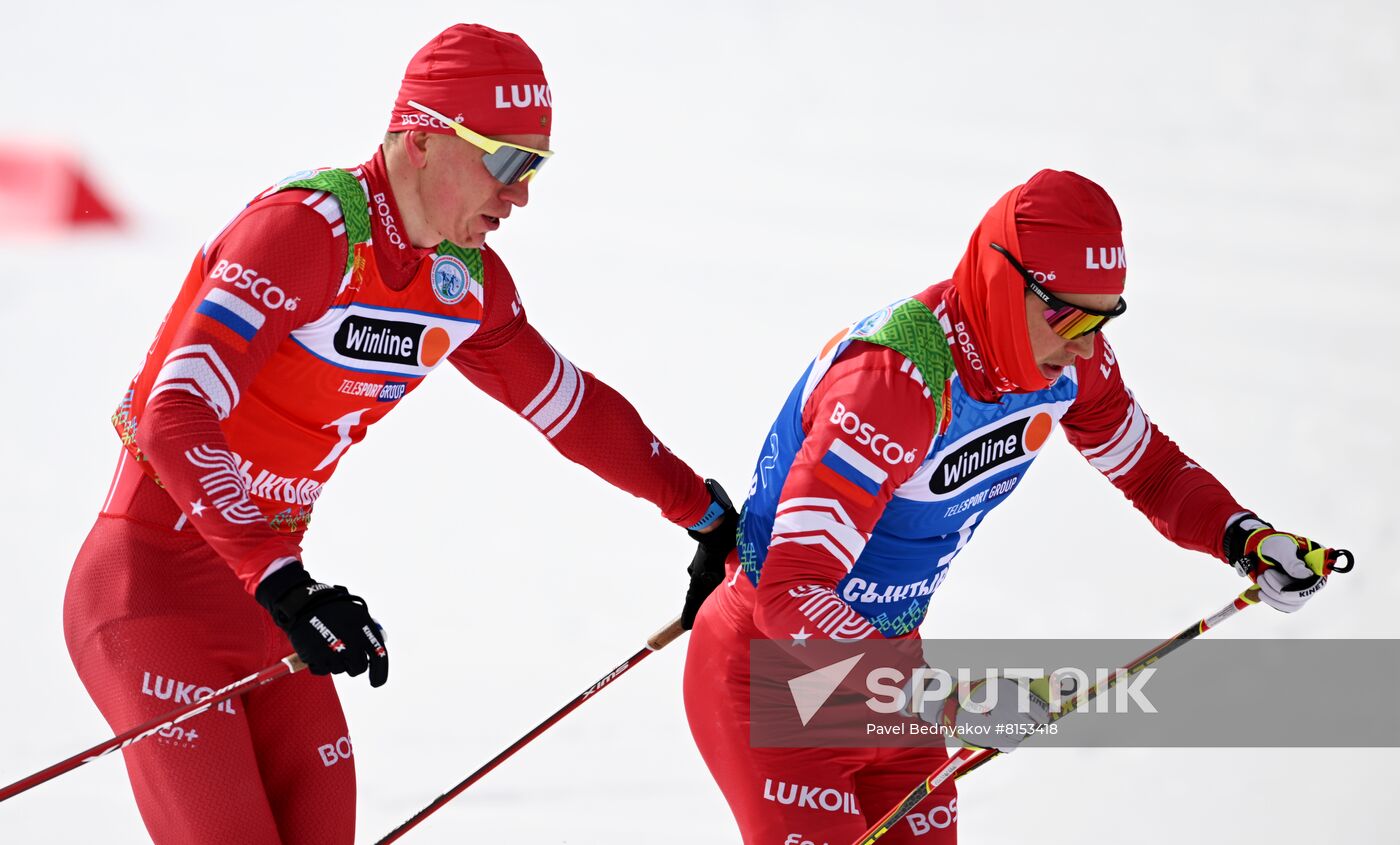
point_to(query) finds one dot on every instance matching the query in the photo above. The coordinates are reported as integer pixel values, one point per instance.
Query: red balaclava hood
(1063, 228)
(489, 81)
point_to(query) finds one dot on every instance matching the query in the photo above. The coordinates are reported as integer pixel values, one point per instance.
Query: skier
(315, 312)
(904, 432)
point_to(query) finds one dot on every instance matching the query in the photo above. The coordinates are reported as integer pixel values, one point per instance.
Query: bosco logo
(450, 278)
(386, 219)
(939, 818)
(261, 288)
(866, 435)
(333, 752)
(969, 349)
(414, 119)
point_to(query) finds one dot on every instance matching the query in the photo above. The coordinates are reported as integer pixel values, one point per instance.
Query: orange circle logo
(1037, 430)
(433, 346)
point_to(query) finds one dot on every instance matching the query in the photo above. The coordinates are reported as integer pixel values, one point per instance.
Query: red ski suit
(835, 564)
(305, 320)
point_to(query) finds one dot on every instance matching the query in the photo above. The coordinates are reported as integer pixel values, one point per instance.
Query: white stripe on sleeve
(573, 409)
(1106, 456)
(819, 521)
(197, 369)
(548, 387)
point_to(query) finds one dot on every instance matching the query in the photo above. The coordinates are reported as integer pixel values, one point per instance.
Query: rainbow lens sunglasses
(1067, 321)
(507, 163)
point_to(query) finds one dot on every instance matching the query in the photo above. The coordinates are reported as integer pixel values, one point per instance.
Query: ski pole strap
(1334, 554)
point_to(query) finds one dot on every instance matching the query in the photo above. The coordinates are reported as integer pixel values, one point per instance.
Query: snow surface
(735, 181)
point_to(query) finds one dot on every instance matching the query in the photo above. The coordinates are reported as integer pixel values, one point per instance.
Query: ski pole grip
(666, 635)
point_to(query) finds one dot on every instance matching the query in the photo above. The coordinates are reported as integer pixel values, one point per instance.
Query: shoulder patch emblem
(450, 279)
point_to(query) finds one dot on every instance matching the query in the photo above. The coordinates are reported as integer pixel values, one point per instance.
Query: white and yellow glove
(1288, 568)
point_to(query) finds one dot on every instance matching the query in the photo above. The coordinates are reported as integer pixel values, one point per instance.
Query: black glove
(330, 629)
(707, 567)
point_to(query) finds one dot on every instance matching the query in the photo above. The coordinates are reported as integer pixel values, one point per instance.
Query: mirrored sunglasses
(1068, 321)
(506, 162)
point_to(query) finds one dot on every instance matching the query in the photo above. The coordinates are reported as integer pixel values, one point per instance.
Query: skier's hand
(330, 629)
(717, 540)
(1289, 569)
(999, 715)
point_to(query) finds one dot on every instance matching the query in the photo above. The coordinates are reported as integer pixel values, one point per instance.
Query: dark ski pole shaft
(966, 760)
(656, 642)
(286, 666)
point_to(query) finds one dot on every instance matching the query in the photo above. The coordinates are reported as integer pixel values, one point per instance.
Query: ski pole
(965, 759)
(1332, 564)
(655, 642)
(286, 666)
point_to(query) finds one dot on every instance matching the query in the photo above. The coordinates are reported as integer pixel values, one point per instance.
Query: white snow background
(734, 181)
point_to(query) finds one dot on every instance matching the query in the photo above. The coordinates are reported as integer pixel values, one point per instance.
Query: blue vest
(969, 468)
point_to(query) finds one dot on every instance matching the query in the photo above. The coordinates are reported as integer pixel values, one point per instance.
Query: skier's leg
(304, 754)
(779, 796)
(890, 776)
(151, 618)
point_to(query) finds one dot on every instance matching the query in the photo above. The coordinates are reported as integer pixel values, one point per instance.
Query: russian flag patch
(232, 312)
(850, 473)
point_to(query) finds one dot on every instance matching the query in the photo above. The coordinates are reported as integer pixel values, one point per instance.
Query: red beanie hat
(489, 81)
(1065, 230)
(1070, 234)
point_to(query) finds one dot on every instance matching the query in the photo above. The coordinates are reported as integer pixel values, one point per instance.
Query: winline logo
(391, 341)
(988, 451)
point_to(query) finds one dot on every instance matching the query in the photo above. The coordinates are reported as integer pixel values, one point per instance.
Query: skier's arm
(211, 364)
(584, 419)
(1108, 427)
(836, 490)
